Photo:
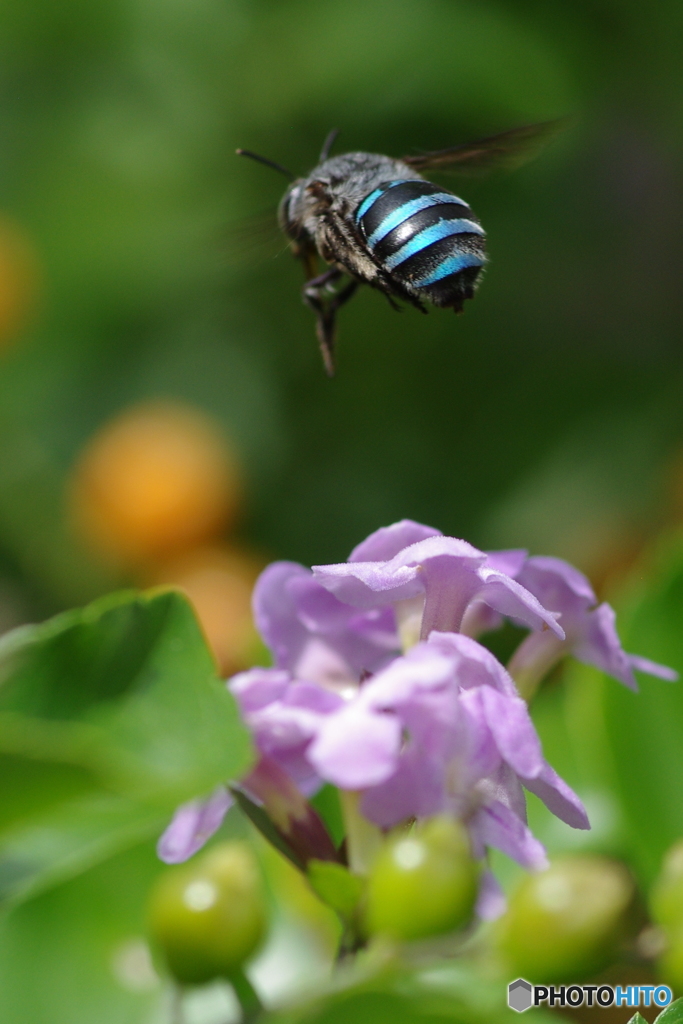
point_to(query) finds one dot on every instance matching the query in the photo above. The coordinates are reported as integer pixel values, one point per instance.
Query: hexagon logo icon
(519, 995)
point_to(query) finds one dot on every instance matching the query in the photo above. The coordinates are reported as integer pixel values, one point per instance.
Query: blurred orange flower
(159, 478)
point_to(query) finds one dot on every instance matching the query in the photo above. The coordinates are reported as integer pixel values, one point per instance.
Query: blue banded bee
(378, 221)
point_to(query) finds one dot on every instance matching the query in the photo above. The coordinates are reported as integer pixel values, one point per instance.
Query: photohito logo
(522, 995)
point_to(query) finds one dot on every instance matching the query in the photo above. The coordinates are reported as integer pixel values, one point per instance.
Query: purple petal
(283, 728)
(476, 666)
(503, 786)
(192, 824)
(491, 902)
(557, 584)
(316, 608)
(416, 789)
(355, 749)
(512, 729)
(508, 562)
(652, 668)
(425, 667)
(377, 626)
(476, 756)
(280, 727)
(599, 645)
(386, 542)
(313, 698)
(558, 797)
(497, 826)
(562, 589)
(322, 664)
(275, 612)
(258, 687)
(510, 598)
(370, 584)
(315, 636)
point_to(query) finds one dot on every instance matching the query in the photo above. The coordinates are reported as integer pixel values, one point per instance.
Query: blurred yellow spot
(158, 478)
(219, 583)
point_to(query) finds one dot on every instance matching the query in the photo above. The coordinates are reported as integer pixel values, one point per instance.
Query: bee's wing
(506, 150)
(251, 240)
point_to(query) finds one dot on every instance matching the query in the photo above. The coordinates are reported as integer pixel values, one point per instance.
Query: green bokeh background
(548, 416)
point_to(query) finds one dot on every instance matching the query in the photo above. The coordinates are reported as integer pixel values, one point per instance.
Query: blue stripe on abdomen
(373, 197)
(450, 265)
(431, 234)
(407, 209)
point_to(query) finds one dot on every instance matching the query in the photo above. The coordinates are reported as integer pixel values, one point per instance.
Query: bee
(376, 220)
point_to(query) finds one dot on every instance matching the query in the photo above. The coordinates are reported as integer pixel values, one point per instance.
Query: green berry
(666, 895)
(209, 916)
(422, 882)
(569, 921)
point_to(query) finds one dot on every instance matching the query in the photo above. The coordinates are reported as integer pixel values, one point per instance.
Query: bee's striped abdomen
(424, 237)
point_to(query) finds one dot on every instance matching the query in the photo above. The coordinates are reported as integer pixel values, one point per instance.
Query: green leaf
(645, 730)
(328, 805)
(456, 990)
(637, 1018)
(335, 885)
(110, 716)
(126, 687)
(69, 839)
(88, 938)
(673, 1014)
(373, 1008)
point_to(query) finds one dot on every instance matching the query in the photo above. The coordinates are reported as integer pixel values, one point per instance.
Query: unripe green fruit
(666, 895)
(569, 921)
(422, 882)
(208, 917)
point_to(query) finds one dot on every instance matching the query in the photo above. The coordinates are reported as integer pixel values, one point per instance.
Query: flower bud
(209, 917)
(422, 882)
(666, 895)
(568, 921)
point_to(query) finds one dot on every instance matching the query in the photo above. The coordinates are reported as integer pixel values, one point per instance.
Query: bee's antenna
(328, 144)
(267, 162)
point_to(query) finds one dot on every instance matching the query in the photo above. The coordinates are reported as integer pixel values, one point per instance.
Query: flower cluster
(380, 687)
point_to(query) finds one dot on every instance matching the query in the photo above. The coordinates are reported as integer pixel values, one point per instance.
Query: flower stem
(363, 839)
(177, 1015)
(251, 1005)
(533, 659)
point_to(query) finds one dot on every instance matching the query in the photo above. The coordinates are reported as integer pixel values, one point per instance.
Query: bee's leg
(326, 311)
(316, 284)
(327, 327)
(324, 325)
